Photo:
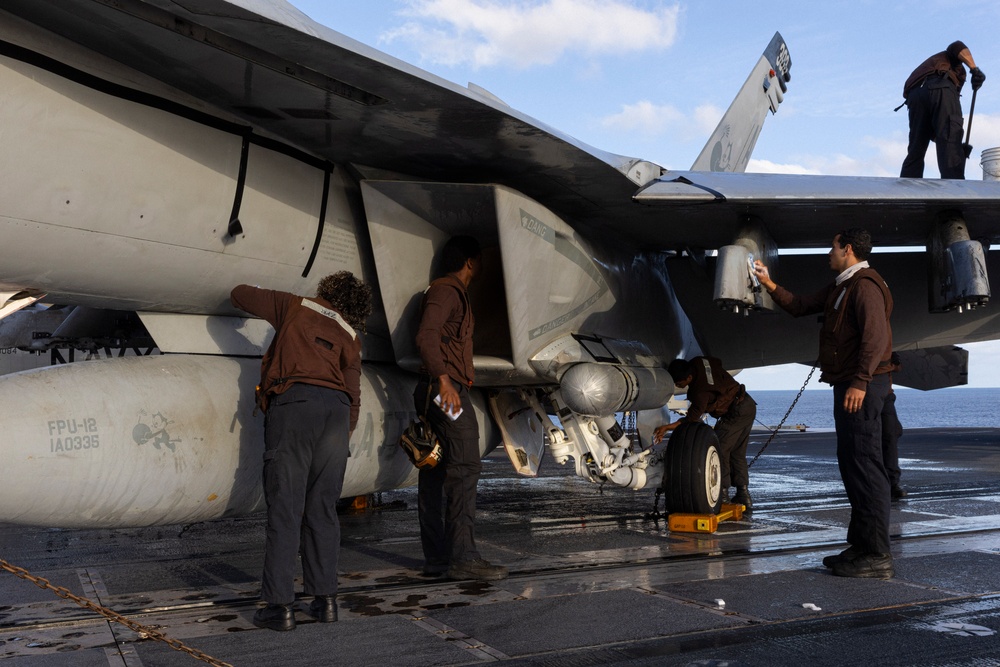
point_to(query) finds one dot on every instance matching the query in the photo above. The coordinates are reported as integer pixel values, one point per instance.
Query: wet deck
(595, 579)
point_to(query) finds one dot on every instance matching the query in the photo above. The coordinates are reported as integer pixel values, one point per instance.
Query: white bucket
(990, 163)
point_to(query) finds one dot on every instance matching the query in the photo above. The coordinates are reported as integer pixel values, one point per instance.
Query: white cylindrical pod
(603, 389)
(732, 278)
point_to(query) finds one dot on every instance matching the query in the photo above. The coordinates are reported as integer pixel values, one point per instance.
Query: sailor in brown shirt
(310, 389)
(712, 390)
(935, 113)
(855, 351)
(446, 496)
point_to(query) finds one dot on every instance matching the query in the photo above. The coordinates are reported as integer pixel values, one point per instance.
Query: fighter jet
(158, 153)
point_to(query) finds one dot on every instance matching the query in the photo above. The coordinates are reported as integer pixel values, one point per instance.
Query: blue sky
(651, 79)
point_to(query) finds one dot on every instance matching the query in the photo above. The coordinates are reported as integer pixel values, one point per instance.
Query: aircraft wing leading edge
(805, 211)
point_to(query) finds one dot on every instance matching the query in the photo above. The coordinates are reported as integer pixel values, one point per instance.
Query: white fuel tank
(169, 439)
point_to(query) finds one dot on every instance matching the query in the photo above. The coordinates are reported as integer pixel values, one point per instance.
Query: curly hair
(350, 296)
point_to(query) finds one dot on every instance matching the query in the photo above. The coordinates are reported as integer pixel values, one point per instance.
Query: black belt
(938, 75)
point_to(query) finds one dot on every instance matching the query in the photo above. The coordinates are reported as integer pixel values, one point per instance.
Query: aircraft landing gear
(692, 477)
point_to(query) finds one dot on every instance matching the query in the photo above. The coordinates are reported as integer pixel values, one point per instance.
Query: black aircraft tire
(693, 470)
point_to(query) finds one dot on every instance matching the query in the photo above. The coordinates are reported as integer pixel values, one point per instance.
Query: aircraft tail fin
(730, 146)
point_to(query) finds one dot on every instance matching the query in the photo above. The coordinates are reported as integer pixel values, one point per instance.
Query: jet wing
(267, 63)
(805, 211)
(765, 338)
(264, 64)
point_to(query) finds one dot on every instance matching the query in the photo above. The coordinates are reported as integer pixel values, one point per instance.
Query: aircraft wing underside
(334, 97)
(763, 213)
(805, 211)
(767, 338)
(303, 83)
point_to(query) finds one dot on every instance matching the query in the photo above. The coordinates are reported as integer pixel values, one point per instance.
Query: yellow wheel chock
(704, 523)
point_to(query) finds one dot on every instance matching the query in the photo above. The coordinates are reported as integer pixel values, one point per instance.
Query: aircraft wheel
(693, 470)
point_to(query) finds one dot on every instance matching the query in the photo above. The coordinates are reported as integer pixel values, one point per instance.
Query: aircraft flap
(11, 302)
(208, 334)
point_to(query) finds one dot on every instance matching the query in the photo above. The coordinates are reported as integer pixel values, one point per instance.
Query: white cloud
(882, 158)
(984, 358)
(706, 118)
(483, 33)
(645, 118)
(878, 156)
(848, 165)
(888, 157)
(767, 167)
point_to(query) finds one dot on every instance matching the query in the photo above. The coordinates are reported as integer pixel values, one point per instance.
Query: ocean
(954, 407)
(960, 407)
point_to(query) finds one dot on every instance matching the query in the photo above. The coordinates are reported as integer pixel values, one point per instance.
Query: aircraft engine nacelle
(958, 276)
(736, 286)
(970, 286)
(601, 390)
(170, 439)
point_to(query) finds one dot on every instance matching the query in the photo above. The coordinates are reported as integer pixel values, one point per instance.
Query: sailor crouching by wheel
(712, 390)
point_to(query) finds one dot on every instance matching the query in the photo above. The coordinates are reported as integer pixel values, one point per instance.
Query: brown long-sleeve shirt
(856, 338)
(946, 62)
(712, 389)
(444, 337)
(312, 344)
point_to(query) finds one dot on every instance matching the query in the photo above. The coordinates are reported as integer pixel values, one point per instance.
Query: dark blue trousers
(859, 455)
(306, 435)
(935, 115)
(892, 431)
(733, 431)
(446, 496)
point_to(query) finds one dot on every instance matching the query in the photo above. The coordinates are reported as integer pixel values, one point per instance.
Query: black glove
(977, 78)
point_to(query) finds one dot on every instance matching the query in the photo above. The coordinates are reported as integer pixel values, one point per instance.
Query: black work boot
(278, 617)
(742, 497)
(434, 569)
(897, 492)
(477, 569)
(847, 555)
(866, 566)
(324, 608)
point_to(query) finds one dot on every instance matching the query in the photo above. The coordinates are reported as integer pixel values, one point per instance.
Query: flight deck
(596, 577)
